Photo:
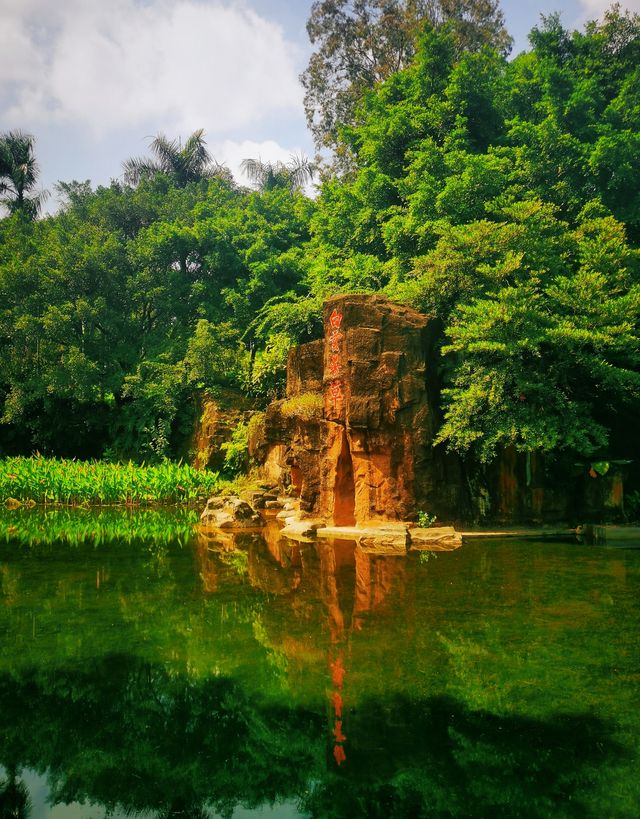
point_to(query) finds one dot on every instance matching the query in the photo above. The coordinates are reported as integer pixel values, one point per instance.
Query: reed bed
(49, 481)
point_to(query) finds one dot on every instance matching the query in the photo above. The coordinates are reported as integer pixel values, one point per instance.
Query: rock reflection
(350, 584)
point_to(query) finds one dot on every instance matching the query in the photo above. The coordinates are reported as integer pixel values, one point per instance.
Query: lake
(146, 671)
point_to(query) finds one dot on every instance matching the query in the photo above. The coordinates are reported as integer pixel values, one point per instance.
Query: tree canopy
(186, 163)
(497, 196)
(359, 43)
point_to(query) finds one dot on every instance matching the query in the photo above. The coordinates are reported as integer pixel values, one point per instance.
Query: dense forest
(498, 195)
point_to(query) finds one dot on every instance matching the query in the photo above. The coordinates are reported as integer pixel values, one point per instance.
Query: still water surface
(147, 673)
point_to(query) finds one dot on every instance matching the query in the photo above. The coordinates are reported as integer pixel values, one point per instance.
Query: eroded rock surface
(354, 435)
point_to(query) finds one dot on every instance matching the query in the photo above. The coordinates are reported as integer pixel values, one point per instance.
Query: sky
(95, 80)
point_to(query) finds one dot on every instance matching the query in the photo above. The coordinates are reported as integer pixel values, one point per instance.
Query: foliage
(425, 519)
(236, 450)
(119, 307)
(50, 481)
(293, 175)
(359, 44)
(632, 506)
(269, 374)
(182, 164)
(482, 196)
(308, 405)
(500, 197)
(215, 355)
(19, 175)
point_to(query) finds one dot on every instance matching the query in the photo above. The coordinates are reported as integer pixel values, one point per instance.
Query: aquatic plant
(55, 481)
(78, 526)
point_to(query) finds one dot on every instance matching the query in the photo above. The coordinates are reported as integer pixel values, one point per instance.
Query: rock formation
(354, 434)
(216, 420)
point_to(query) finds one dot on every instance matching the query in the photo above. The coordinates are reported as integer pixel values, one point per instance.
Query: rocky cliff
(354, 435)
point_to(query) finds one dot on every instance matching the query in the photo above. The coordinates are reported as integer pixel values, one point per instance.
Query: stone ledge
(387, 538)
(434, 539)
(295, 528)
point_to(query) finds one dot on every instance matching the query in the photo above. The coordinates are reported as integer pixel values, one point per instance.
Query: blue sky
(95, 80)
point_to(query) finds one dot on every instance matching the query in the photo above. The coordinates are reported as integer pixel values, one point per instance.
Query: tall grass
(54, 481)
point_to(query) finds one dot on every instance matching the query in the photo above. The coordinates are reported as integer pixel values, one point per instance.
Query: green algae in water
(498, 680)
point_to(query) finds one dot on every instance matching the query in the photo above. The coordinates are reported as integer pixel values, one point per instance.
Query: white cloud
(594, 9)
(180, 64)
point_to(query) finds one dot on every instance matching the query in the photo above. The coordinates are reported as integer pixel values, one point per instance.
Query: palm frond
(184, 164)
(138, 168)
(19, 173)
(269, 175)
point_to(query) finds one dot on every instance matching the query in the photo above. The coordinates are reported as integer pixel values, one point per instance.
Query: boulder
(296, 528)
(274, 504)
(434, 539)
(230, 513)
(375, 538)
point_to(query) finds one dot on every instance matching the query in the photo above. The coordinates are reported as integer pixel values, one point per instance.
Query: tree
(360, 43)
(293, 175)
(499, 198)
(183, 164)
(19, 175)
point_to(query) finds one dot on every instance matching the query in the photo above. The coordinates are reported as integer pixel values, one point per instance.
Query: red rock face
(364, 451)
(354, 437)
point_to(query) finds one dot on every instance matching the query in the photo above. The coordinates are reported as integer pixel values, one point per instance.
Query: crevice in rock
(344, 507)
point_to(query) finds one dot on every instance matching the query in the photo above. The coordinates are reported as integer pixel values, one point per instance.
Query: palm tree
(293, 175)
(18, 175)
(189, 163)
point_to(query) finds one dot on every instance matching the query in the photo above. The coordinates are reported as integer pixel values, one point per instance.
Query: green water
(152, 676)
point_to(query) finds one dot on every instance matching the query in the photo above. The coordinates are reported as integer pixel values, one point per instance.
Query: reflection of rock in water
(275, 567)
(345, 579)
(338, 576)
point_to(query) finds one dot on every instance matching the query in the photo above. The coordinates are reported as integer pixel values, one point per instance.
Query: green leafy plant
(57, 481)
(236, 451)
(632, 505)
(425, 520)
(306, 406)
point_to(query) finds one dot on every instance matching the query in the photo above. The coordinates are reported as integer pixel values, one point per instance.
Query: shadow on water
(136, 737)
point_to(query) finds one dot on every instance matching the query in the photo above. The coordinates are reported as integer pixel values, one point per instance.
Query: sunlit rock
(354, 437)
(229, 512)
(434, 539)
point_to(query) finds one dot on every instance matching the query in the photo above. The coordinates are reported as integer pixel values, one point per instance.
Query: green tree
(360, 43)
(19, 175)
(112, 307)
(266, 176)
(183, 164)
(498, 197)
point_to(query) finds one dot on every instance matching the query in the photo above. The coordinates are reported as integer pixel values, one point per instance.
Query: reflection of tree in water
(14, 797)
(437, 758)
(129, 735)
(183, 737)
(132, 737)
